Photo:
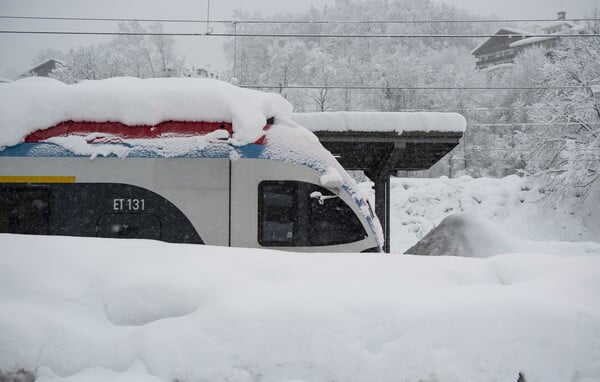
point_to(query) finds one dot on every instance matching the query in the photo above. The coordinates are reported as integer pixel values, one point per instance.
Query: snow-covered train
(91, 164)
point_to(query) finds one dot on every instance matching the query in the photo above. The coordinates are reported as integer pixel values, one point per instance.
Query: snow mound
(513, 204)
(464, 235)
(274, 316)
(382, 121)
(38, 103)
(470, 235)
(142, 303)
(136, 373)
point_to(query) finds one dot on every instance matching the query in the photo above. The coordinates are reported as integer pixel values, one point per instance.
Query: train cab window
(332, 222)
(129, 226)
(25, 210)
(288, 216)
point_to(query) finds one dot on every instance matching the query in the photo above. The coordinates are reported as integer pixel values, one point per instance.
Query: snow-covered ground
(82, 309)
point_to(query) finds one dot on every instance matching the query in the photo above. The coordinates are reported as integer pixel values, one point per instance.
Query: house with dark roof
(504, 46)
(43, 69)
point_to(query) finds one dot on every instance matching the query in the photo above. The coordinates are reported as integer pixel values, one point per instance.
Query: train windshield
(289, 216)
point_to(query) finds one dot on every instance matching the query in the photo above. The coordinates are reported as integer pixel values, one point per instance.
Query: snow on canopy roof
(381, 121)
(37, 103)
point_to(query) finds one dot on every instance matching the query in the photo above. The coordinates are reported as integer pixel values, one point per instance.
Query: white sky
(18, 51)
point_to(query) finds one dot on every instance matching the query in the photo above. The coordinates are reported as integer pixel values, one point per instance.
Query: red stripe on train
(117, 129)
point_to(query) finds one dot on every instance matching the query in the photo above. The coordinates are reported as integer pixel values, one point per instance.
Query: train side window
(25, 210)
(278, 217)
(288, 216)
(333, 222)
(129, 226)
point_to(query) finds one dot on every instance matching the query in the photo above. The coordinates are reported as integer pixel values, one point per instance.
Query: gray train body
(245, 200)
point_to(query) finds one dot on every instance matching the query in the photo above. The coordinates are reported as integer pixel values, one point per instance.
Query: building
(43, 69)
(506, 43)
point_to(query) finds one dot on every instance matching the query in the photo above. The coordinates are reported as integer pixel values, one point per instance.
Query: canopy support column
(382, 207)
(380, 175)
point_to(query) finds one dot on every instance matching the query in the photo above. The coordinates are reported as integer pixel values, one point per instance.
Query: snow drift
(78, 309)
(515, 205)
(37, 103)
(470, 235)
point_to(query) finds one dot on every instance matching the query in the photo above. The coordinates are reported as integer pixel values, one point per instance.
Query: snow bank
(37, 103)
(382, 122)
(78, 309)
(513, 204)
(470, 235)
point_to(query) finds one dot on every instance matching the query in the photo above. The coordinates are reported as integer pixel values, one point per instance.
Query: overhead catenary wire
(283, 21)
(480, 109)
(518, 124)
(398, 87)
(288, 35)
(524, 149)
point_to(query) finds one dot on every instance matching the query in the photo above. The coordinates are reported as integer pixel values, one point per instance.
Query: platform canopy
(381, 144)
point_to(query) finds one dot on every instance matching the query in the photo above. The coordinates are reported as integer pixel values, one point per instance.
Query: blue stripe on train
(50, 150)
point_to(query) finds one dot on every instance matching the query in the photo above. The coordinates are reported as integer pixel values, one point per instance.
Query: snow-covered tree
(568, 150)
(125, 55)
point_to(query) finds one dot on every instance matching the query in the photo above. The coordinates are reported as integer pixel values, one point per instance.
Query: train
(183, 181)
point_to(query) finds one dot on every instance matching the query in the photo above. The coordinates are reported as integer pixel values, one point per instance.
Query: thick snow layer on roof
(37, 103)
(40, 63)
(531, 40)
(381, 121)
(81, 309)
(558, 23)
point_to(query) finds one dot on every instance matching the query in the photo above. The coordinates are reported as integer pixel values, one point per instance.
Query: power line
(331, 87)
(420, 21)
(291, 35)
(493, 148)
(235, 21)
(483, 109)
(518, 124)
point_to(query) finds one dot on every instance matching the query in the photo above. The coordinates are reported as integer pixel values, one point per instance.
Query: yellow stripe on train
(37, 179)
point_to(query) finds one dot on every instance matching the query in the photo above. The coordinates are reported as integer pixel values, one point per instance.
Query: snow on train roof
(382, 122)
(38, 103)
